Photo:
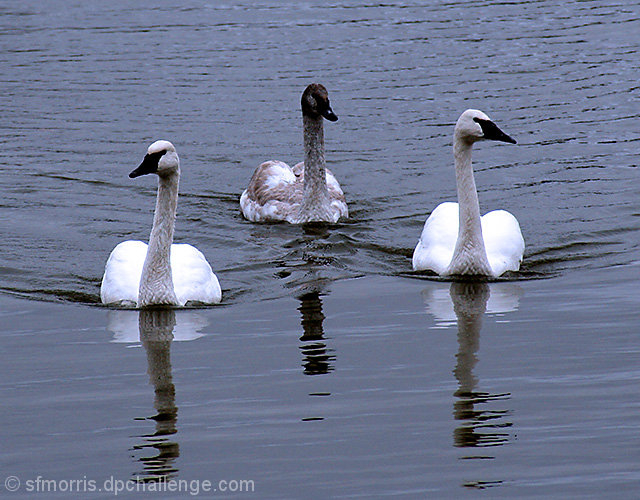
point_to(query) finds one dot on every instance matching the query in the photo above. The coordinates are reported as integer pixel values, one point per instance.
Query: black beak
(491, 131)
(149, 165)
(330, 115)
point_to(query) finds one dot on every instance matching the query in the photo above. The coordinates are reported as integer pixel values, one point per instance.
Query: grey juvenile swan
(308, 192)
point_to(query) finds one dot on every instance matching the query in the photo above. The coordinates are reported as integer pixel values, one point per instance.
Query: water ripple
(86, 91)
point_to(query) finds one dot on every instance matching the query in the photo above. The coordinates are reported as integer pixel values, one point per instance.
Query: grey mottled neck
(315, 202)
(469, 256)
(156, 283)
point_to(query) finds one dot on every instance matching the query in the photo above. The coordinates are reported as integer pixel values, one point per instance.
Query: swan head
(161, 159)
(473, 125)
(315, 102)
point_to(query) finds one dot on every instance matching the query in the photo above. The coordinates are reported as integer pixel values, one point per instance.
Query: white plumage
(193, 279)
(161, 273)
(455, 240)
(503, 240)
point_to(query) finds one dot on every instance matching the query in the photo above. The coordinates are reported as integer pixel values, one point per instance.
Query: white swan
(455, 239)
(308, 192)
(161, 273)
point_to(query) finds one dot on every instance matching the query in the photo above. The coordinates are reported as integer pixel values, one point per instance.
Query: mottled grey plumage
(308, 192)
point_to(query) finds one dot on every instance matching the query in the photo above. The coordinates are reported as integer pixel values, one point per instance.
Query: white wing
(193, 279)
(503, 241)
(122, 272)
(434, 250)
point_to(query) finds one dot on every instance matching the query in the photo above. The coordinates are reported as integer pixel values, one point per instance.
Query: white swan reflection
(123, 324)
(155, 330)
(503, 297)
(465, 304)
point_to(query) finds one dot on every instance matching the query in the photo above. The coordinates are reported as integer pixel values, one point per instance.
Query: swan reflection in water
(156, 329)
(305, 272)
(466, 304)
(317, 357)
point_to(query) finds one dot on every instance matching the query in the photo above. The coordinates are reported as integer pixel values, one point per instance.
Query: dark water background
(330, 369)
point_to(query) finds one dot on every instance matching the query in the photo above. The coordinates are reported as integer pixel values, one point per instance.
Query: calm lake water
(330, 370)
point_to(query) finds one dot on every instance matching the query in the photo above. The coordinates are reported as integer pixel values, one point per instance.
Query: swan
(308, 192)
(455, 239)
(160, 273)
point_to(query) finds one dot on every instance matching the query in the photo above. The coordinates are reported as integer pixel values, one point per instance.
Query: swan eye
(154, 158)
(315, 102)
(491, 131)
(149, 164)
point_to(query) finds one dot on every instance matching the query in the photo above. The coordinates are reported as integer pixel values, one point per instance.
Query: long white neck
(315, 201)
(469, 256)
(156, 283)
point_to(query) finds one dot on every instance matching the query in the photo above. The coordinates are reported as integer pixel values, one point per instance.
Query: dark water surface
(330, 369)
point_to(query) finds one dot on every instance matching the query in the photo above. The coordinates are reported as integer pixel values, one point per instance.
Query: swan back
(193, 279)
(503, 241)
(438, 239)
(122, 272)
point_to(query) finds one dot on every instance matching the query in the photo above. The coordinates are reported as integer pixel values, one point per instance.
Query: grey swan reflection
(481, 424)
(306, 278)
(159, 451)
(156, 329)
(318, 359)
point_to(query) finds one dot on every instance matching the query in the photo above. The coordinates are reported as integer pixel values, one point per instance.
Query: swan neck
(467, 192)
(156, 283)
(470, 256)
(315, 180)
(315, 204)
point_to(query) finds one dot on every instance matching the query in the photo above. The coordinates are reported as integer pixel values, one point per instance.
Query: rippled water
(330, 369)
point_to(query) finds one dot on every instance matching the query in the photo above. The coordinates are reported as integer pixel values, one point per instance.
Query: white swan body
(455, 240)
(503, 241)
(161, 273)
(308, 192)
(193, 279)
